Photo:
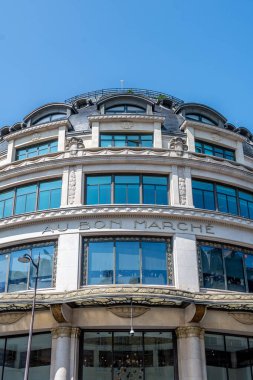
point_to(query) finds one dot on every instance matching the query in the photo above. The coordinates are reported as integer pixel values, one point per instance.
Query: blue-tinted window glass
(25, 199)
(18, 272)
(98, 190)
(131, 140)
(212, 267)
(226, 197)
(49, 195)
(4, 266)
(203, 195)
(100, 263)
(37, 150)
(246, 204)
(154, 263)
(234, 270)
(127, 262)
(214, 150)
(248, 259)
(155, 190)
(127, 189)
(45, 268)
(6, 204)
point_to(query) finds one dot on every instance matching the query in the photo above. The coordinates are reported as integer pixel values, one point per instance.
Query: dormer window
(214, 150)
(122, 140)
(37, 150)
(125, 108)
(50, 118)
(200, 118)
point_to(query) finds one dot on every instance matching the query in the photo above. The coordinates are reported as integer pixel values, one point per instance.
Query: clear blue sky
(197, 50)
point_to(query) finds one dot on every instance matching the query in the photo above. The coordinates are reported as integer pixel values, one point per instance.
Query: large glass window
(127, 261)
(225, 267)
(125, 108)
(16, 276)
(228, 357)
(37, 196)
(50, 118)
(121, 140)
(127, 189)
(200, 118)
(37, 150)
(214, 150)
(117, 355)
(13, 357)
(215, 196)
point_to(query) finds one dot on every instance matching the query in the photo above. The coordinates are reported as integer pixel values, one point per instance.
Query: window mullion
(113, 189)
(141, 188)
(7, 272)
(37, 196)
(224, 269)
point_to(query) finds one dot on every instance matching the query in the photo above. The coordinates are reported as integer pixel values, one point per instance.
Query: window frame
(37, 184)
(216, 193)
(125, 106)
(141, 187)
(30, 246)
(223, 246)
(50, 115)
(126, 135)
(214, 146)
(200, 118)
(36, 146)
(84, 276)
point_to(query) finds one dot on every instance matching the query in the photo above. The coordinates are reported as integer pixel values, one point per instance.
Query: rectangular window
(127, 261)
(130, 140)
(215, 196)
(16, 276)
(28, 198)
(228, 357)
(127, 189)
(13, 356)
(117, 355)
(225, 267)
(214, 150)
(37, 150)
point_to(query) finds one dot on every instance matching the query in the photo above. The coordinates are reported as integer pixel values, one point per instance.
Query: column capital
(190, 331)
(63, 331)
(75, 332)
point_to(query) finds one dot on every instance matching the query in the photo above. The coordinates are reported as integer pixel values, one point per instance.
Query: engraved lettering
(199, 227)
(168, 225)
(47, 229)
(117, 224)
(182, 226)
(99, 224)
(209, 228)
(154, 225)
(136, 223)
(84, 226)
(62, 228)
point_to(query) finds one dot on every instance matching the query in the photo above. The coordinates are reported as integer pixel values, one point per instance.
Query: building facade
(140, 207)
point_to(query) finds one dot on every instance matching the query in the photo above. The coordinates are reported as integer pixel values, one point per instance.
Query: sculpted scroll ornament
(73, 145)
(179, 145)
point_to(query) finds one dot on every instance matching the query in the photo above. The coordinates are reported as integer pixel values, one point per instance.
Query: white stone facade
(184, 307)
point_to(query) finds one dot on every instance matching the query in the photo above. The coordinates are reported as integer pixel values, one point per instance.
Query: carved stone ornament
(62, 313)
(73, 144)
(125, 311)
(9, 318)
(72, 186)
(179, 145)
(61, 332)
(127, 125)
(244, 318)
(190, 331)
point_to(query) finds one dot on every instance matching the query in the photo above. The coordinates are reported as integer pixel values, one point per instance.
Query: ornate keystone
(178, 144)
(73, 145)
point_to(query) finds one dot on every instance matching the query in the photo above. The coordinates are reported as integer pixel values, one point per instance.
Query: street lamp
(26, 258)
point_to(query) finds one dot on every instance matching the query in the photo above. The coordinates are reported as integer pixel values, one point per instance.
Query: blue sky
(197, 50)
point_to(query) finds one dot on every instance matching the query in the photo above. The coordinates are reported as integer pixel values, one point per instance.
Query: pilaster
(61, 345)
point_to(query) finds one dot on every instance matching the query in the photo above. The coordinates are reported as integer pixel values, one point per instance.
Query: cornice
(36, 128)
(121, 295)
(212, 129)
(124, 211)
(126, 117)
(140, 156)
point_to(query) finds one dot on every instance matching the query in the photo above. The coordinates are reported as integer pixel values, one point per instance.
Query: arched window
(124, 108)
(200, 118)
(50, 118)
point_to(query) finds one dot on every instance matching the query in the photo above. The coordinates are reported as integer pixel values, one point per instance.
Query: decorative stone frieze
(181, 186)
(244, 318)
(125, 311)
(73, 145)
(190, 331)
(72, 186)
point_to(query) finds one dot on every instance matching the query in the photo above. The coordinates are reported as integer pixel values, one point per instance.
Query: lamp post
(26, 258)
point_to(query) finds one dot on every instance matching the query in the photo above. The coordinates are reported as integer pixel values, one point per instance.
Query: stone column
(191, 353)
(74, 353)
(61, 345)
